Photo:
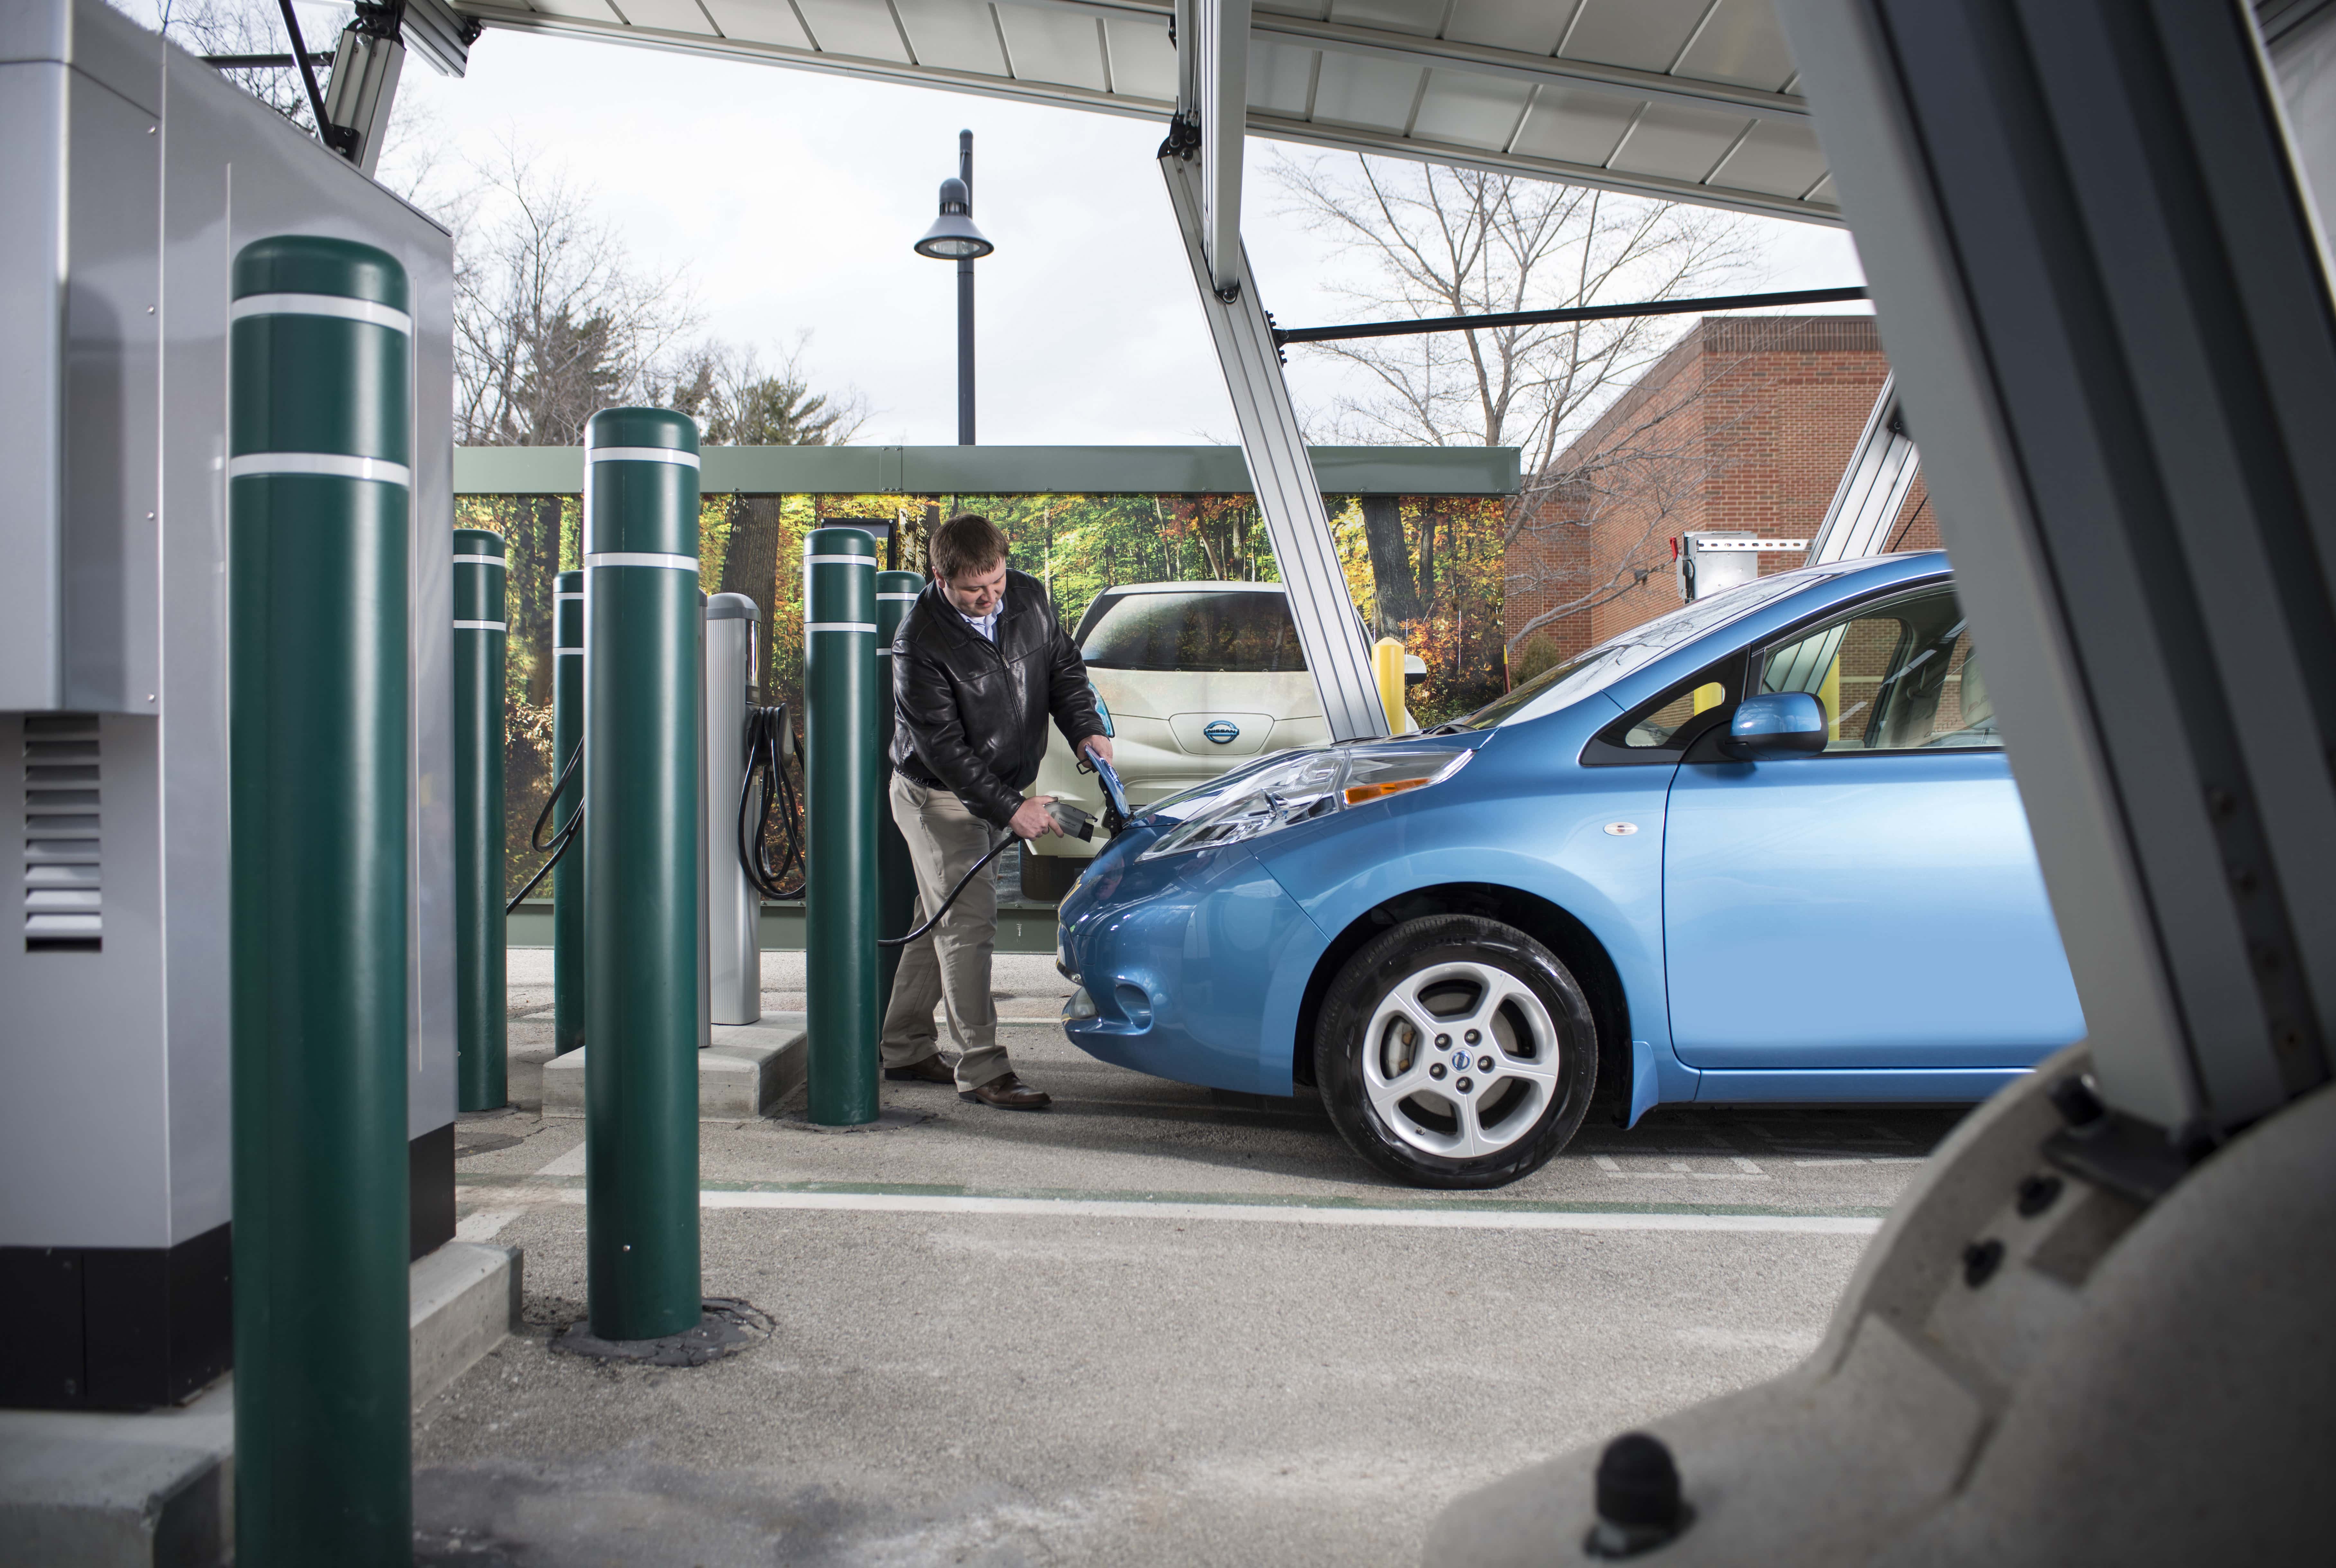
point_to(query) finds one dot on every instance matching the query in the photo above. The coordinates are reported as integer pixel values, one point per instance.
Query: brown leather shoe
(933, 1069)
(1008, 1093)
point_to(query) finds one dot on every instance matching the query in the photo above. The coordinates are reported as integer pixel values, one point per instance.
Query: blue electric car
(1764, 849)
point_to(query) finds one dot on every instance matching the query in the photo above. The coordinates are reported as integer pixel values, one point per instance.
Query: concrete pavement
(1147, 1327)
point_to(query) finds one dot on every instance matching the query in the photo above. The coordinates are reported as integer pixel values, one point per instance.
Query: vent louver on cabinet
(64, 887)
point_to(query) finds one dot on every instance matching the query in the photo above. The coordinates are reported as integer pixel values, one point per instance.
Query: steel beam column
(1283, 473)
(1874, 484)
(2102, 290)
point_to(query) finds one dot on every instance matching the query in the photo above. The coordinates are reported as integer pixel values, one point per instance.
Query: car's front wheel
(1456, 1051)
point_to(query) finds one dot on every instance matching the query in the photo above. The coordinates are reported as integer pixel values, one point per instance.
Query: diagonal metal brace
(1281, 471)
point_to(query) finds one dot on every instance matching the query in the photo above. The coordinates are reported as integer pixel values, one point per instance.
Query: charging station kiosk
(147, 173)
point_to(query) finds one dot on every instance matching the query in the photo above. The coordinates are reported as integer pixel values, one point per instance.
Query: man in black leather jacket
(978, 667)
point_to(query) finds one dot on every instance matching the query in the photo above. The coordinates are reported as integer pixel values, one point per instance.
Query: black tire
(1046, 879)
(1460, 955)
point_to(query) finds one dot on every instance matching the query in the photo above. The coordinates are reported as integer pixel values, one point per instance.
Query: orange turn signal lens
(1358, 794)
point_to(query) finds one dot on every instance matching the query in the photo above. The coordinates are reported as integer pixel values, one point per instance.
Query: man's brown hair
(967, 542)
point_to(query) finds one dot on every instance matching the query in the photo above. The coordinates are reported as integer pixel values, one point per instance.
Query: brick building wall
(1745, 425)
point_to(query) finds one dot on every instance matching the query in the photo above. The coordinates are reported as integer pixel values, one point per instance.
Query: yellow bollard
(1386, 667)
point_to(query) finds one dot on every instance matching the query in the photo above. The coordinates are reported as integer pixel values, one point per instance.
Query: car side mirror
(1776, 724)
(1415, 669)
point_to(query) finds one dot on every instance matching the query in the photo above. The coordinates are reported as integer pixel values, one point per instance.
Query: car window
(1565, 683)
(1222, 632)
(1654, 729)
(1894, 677)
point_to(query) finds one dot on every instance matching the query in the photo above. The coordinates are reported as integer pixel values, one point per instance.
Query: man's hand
(1096, 745)
(1032, 819)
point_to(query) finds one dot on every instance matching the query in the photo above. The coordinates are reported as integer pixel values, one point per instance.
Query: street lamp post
(953, 238)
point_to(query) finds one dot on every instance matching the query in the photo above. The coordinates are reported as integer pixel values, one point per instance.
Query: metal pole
(319, 507)
(896, 879)
(733, 950)
(641, 871)
(481, 1005)
(568, 876)
(965, 303)
(839, 700)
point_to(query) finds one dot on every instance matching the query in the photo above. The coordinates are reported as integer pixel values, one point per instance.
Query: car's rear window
(1235, 632)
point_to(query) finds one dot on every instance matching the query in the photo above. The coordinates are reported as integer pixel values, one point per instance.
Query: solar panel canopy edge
(1672, 99)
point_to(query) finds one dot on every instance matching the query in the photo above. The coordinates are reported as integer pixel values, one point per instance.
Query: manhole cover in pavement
(728, 1326)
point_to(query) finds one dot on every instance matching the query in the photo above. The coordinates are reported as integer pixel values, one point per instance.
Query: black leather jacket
(970, 715)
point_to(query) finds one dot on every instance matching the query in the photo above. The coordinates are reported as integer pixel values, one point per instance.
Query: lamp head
(953, 236)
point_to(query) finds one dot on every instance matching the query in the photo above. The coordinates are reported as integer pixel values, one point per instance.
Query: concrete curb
(80, 1489)
(747, 1071)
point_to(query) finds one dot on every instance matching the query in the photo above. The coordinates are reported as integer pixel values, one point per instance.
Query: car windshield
(1584, 674)
(1215, 631)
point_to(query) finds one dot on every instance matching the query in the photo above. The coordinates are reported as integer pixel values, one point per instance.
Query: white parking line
(1457, 1219)
(1679, 1168)
(570, 1163)
(485, 1225)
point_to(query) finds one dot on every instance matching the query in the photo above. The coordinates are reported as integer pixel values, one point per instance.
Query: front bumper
(1176, 958)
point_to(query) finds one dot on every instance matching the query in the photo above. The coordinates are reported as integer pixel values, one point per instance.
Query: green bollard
(641, 872)
(319, 517)
(896, 879)
(480, 1004)
(840, 777)
(568, 876)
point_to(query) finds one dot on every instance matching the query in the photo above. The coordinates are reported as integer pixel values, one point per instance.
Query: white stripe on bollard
(638, 558)
(867, 560)
(494, 561)
(364, 310)
(866, 625)
(641, 455)
(329, 464)
(483, 626)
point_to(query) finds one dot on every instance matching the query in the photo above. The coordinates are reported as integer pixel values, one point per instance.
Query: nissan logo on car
(1223, 731)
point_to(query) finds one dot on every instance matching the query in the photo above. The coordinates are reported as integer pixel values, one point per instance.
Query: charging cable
(769, 791)
(560, 841)
(1074, 823)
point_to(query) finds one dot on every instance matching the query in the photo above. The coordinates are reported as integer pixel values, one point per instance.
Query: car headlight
(1303, 787)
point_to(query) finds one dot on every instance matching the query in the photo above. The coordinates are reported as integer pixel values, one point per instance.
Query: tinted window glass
(1898, 676)
(1239, 632)
(1654, 729)
(1602, 666)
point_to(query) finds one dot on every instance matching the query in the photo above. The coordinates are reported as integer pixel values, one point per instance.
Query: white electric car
(1196, 677)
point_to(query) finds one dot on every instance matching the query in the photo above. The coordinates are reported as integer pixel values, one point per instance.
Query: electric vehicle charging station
(896, 879)
(734, 949)
(568, 876)
(115, 1121)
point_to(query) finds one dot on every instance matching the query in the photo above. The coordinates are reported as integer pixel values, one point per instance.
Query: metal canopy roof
(1685, 100)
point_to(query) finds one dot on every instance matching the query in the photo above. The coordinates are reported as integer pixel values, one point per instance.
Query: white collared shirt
(985, 625)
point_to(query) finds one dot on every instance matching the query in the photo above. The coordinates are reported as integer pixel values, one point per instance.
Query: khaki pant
(950, 963)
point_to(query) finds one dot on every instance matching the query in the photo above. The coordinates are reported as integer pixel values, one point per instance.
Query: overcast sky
(791, 199)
